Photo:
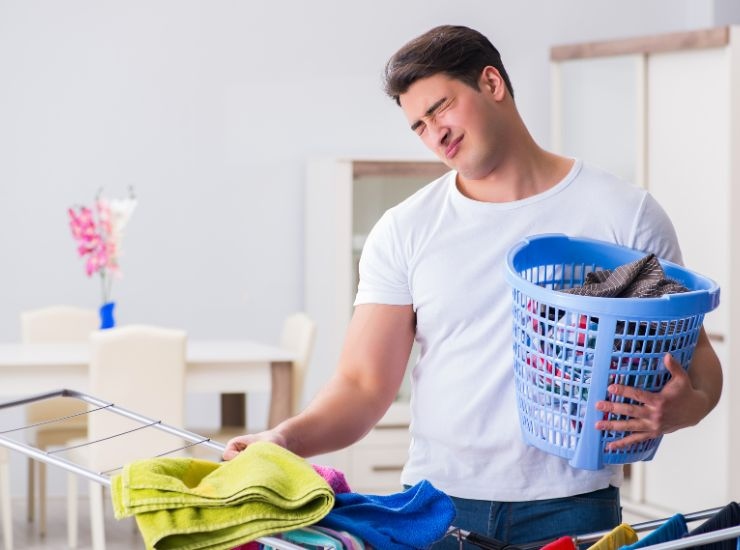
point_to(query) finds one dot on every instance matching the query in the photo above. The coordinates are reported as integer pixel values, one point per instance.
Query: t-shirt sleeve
(383, 267)
(654, 232)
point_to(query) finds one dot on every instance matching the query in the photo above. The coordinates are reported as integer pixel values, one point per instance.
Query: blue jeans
(537, 520)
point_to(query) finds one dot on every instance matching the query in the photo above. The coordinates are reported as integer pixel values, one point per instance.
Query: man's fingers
(639, 413)
(628, 392)
(624, 409)
(629, 440)
(234, 447)
(673, 366)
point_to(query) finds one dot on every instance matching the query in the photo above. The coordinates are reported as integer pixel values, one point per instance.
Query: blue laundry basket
(569, 348)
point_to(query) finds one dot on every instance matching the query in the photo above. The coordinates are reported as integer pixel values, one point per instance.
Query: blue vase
(106, 315)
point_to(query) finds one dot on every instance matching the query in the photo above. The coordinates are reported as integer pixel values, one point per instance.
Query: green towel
(195, 504)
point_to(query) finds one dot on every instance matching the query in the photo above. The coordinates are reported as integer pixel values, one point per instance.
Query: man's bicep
(377, 347)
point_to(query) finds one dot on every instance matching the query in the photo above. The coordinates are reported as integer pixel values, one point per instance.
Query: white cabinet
(679, 100)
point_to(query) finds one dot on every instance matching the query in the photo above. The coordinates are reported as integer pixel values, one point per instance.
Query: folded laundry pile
(193, 504)
(412, 519)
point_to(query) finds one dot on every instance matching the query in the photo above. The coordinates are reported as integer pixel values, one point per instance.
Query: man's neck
(520, 177)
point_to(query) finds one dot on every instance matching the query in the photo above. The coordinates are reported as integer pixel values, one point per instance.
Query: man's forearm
(341, 414)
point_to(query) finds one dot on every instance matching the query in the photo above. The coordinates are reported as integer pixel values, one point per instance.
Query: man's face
(456, 122)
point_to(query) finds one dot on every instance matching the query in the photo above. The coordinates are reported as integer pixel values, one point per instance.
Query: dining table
(231, 368)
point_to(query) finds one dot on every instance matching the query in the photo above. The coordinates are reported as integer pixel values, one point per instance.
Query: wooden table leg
(281, 394)
(233, 410)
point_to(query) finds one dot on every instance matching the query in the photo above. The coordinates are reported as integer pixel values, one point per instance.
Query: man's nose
(439, 134)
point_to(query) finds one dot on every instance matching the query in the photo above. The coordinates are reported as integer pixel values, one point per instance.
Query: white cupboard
(664, 112)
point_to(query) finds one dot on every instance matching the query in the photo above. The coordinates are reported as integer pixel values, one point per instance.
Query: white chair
(139, 368)
(53, 324)
(299, 335)
(7, 520)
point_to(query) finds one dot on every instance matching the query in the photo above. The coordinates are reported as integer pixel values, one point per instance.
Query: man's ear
(492, 83)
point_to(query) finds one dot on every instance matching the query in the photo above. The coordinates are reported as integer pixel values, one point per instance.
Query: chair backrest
(299, 335)
(58, 324)
(142, 369)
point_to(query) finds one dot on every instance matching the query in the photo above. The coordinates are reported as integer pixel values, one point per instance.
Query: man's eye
(419, 129)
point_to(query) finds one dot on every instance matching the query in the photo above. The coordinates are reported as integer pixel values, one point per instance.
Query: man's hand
(676, 406)
(238, 444)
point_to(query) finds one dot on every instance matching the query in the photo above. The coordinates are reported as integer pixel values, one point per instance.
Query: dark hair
(458, 52)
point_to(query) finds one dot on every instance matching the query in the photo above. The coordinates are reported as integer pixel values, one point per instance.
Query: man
(432, 269)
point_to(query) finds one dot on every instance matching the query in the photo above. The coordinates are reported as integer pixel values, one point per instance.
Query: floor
(120, 535)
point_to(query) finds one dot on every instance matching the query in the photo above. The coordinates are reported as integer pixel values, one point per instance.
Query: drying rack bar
(686, 542)
(481, 541)
(698, 540)
(101, 477)
(98, 477)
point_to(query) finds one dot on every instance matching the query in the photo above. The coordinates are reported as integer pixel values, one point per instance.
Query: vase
(106, 315)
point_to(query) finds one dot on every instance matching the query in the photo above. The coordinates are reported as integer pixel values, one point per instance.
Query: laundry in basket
(568, 348)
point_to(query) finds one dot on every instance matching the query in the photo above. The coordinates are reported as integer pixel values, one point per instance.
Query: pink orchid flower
(98, 235)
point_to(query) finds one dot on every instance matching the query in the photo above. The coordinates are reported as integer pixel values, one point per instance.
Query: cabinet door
(689, 148)
(688, 143)
(328, 263)
(597, 112)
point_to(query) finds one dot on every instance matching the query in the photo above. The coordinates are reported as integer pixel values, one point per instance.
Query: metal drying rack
(194, 440)
(590, 538)
(104, 478)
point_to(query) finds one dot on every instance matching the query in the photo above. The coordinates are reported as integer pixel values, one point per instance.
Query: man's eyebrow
(429, 112)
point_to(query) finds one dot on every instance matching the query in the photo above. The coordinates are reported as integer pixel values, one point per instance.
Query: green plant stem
(104, 287)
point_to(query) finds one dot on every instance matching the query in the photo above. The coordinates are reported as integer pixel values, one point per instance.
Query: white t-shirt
(445, 254)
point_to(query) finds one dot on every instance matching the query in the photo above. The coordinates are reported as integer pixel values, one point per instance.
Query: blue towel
(414, 518)
(671, 530)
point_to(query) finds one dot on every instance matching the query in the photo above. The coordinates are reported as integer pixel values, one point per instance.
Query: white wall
(210, 109)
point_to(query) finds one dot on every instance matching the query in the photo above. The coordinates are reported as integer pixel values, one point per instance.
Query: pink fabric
(249, 546)
(334, 478)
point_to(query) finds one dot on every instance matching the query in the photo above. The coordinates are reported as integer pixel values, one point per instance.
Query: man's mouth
(453, 147)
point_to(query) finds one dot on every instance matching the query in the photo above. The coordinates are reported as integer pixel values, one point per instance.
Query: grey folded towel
(643, 278)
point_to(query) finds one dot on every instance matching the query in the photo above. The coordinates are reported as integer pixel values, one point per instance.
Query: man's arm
(683, 401)
(371, 367)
